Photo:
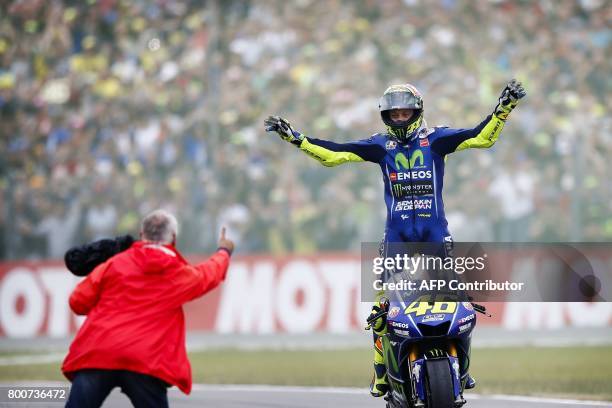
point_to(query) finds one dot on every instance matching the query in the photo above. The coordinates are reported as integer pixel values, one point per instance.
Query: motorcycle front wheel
(439, 384)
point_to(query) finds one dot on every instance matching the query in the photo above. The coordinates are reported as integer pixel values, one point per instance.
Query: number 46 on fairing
(422, 305)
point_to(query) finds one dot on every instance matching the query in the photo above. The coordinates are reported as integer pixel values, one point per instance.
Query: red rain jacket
(135, 319)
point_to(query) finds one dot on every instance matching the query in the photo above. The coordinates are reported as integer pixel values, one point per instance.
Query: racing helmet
(403, 96)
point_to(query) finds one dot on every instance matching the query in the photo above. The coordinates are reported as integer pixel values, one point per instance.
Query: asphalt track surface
(260, 396)
(239, 396)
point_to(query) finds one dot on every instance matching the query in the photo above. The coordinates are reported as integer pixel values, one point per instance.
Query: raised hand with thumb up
(225, 243)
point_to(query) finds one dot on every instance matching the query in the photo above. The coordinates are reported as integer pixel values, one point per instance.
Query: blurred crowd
(112, 108)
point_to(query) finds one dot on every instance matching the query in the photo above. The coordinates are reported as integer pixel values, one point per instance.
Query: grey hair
(159, 226)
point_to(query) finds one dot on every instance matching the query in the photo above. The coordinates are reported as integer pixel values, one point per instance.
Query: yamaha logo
(390, 145)
(424, 132)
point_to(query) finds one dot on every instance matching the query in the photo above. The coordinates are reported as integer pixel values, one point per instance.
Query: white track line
(350, 390)
(342, 390)
(31, 359)
(520, 398)
(279, 388)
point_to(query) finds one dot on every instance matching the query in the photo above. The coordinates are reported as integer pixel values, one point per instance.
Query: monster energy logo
(402, 161)
(400, 190)
(433, 353)
(397, 190)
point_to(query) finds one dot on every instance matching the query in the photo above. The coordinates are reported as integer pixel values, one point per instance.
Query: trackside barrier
(262, 295)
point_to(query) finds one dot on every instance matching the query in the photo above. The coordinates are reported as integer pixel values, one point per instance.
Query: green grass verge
(584, 373)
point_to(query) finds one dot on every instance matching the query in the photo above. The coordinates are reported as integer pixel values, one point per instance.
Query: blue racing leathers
(412, 172)
(413, 175)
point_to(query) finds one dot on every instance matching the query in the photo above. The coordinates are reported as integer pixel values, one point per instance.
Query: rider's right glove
(284, 130)
(509, 99)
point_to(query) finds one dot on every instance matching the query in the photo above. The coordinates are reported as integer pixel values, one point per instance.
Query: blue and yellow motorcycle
(420, 350)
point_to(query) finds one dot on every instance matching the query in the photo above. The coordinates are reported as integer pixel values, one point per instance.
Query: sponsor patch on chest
(423, 133)
(390, 145)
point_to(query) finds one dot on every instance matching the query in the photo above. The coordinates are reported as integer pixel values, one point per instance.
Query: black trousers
(91, 387)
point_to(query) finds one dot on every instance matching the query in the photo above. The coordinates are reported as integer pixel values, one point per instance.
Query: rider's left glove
(509, 98)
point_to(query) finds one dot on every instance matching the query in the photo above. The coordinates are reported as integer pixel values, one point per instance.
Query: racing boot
(470, 382)
(464, 362)
(379, 385)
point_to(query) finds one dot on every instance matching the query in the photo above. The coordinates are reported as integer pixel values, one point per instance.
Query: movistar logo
(402, 161)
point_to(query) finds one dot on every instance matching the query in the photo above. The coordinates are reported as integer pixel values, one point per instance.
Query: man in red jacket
(134, 334)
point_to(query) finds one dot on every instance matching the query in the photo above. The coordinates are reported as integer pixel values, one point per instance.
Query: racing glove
(509, 99)
(284, 130)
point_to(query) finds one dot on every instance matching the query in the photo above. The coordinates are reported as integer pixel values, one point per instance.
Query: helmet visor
(399, 100)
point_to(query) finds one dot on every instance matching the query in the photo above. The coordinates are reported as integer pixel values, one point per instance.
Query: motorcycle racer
(411, 156)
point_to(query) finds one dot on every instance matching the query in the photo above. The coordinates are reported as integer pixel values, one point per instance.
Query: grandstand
(113, 108)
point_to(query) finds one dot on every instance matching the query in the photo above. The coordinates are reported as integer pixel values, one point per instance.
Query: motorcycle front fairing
(422, 331)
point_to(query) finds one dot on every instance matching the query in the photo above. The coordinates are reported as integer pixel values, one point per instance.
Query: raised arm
(195, 281)
(484, 135)
(327, 153)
